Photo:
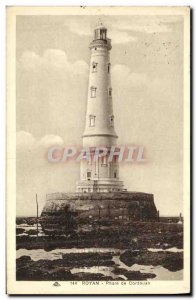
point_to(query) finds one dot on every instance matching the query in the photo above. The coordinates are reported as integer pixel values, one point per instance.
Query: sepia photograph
(98, 150)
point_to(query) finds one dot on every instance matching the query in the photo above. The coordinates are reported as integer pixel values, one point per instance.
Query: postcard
(98, 150)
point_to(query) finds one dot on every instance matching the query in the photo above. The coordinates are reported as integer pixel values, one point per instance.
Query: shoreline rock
(121, 238)
(172, 261)
(133, 275)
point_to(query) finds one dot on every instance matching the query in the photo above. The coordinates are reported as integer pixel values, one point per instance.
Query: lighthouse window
(108, 68)
(93, 92)
(110, 92)
(115, 174)
(104, 161)
(94, 67)
(102, 34)
(91, 121)
(88, 175)
(112, 121)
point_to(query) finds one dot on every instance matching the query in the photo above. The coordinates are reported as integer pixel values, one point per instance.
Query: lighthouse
(99, 175)
(100, 195)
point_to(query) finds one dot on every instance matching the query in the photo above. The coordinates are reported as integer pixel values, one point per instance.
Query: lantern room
(100, 33)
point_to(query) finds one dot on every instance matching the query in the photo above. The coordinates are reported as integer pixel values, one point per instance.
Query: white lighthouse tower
(99, 195)
(100, 175)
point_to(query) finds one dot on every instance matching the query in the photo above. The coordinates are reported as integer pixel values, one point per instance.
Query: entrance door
(88, 175)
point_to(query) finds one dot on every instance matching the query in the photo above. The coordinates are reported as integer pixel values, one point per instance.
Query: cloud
(121, 37)
(29, 60)
(48, 89)
(147, 25)
(26, 141)
(121, 30)
(148, 28)
(36, 175)
(130, 79)
(76, 27)
(50, 140)
(54, 58)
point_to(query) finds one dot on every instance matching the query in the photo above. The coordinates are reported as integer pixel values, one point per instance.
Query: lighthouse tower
(99, 175)
(99, 194)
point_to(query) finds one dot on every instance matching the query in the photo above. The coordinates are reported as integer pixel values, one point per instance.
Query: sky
(52, 56)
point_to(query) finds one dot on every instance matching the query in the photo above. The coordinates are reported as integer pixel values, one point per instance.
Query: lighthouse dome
(100, 26)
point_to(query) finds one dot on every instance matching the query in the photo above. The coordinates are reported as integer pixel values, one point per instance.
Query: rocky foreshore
(132, 244)
(60, 269)
(132, 236)
(169, 260)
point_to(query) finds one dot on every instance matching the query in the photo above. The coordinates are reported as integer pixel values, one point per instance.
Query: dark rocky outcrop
(20, 230)
(132, 235)
(59, 269)
(31, 232)
(89, 276)
(26, 220)
(26, 269)
(87, 259)
(133, 275)
(169, 260)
